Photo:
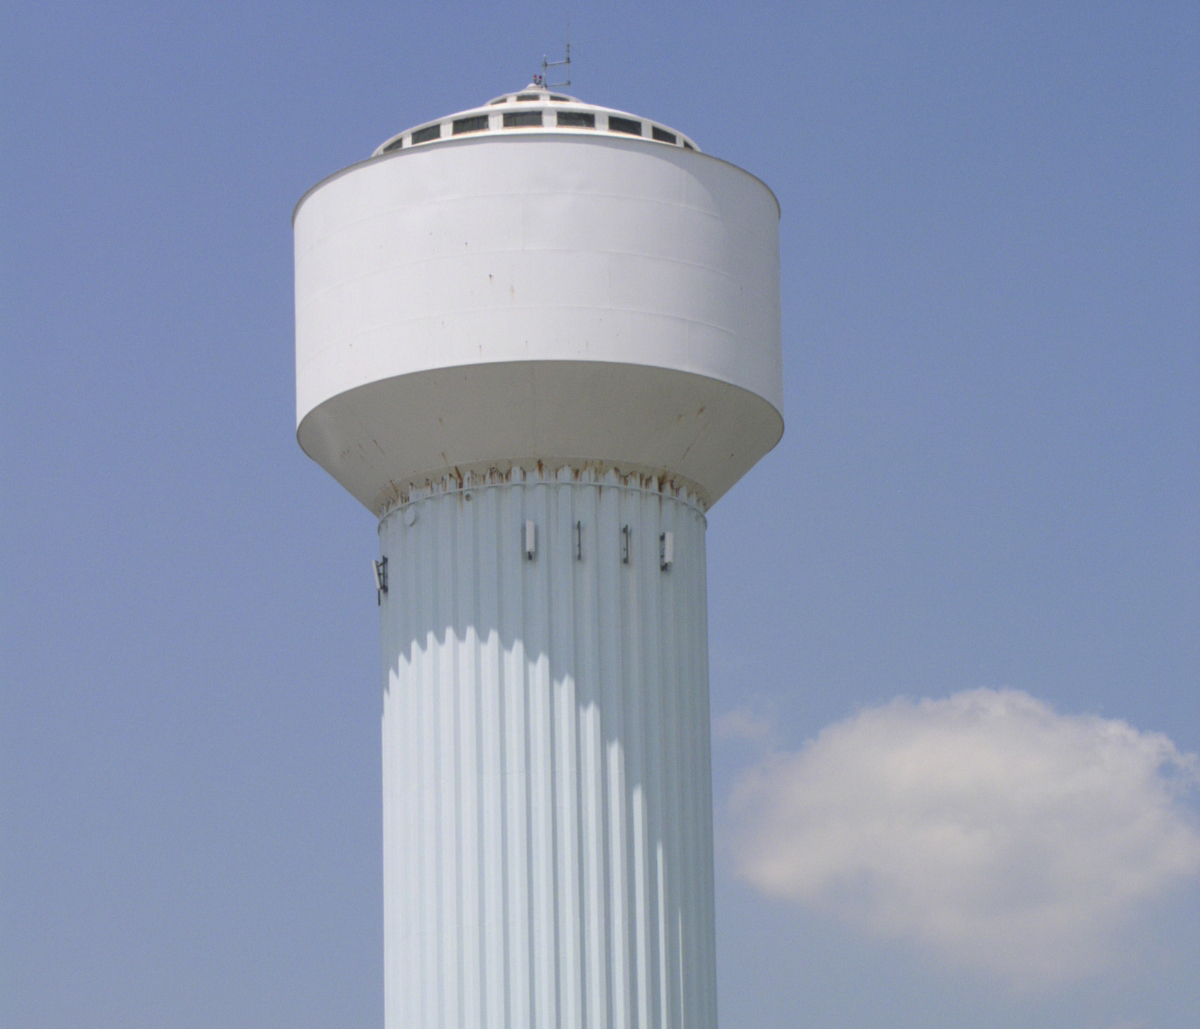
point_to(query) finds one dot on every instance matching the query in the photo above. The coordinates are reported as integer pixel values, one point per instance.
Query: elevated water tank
(537, 279)
(538, 339)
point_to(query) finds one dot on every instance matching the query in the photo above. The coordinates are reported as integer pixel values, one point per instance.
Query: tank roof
(536, 109)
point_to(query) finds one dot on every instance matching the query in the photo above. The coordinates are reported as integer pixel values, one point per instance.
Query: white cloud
(743, 724)
(985, 827)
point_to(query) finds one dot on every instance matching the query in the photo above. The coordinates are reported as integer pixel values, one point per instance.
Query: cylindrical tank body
(569, 297)
(538, 340)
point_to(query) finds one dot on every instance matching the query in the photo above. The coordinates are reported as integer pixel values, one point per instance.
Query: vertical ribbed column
(546, 768)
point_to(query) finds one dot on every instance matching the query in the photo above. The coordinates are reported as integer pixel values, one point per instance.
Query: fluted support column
(546, 765)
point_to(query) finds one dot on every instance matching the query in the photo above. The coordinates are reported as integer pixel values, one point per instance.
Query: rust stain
(597, 473)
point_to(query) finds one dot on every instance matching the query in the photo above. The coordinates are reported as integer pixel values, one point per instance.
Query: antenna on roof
(564, 63)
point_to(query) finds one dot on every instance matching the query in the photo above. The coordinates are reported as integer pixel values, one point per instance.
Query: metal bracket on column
(530, 540)
(625, 544)
(380, 569)
(666, 550)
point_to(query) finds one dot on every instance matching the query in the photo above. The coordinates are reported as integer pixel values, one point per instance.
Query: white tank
(539, 339)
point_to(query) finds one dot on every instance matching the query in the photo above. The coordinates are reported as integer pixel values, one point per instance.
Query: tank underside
(385, 439)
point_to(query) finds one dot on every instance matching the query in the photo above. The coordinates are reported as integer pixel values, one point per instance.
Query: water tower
(539, 339)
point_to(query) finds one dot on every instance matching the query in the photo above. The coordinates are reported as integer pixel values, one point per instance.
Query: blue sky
(985, 502)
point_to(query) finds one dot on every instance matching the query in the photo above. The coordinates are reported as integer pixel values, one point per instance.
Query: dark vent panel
(476, 123)
(517, 119)
(615, 124)
(578, 119)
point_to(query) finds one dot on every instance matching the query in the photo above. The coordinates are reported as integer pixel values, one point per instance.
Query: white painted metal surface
(547, 789)
(539, 352)
(497, 299)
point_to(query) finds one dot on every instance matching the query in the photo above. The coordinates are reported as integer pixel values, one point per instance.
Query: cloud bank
(984, 827)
